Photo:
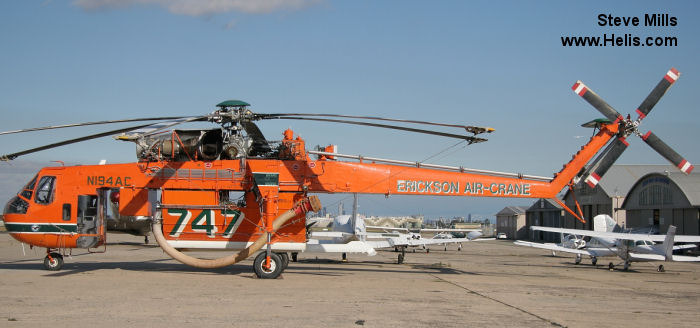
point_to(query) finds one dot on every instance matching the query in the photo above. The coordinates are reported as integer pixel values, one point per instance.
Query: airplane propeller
(612, 152)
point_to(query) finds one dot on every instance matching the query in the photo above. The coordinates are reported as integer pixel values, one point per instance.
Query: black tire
(54, 263)
(611, 266)
(661, 268)
(285, 260)
(275, 266)
(594, 261)
(427, 250)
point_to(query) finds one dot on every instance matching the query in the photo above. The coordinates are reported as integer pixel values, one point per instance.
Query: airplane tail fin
(473, 235)
(668, 243)
(604, 223)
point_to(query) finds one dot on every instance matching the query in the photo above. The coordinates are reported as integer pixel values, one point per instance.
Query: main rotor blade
(151, 129)
(92, 123)
(260, 144)
(68, 142)
(596, 101)
(470, 129)
(667, 152)
(666, 82)
(604, 161)
(437, 133)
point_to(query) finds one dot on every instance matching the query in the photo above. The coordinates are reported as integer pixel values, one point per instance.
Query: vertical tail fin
(604, 223)
(668, 243)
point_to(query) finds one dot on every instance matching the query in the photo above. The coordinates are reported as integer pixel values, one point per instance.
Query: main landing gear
(273, 271)
(401, 256)
(53, 261)
(578, 259)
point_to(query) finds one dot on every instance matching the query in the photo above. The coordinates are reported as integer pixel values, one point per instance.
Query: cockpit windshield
(28, 190)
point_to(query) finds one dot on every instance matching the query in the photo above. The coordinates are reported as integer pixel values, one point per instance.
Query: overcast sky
(490, 63)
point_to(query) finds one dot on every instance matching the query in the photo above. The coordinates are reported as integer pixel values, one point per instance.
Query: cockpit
(40, 193)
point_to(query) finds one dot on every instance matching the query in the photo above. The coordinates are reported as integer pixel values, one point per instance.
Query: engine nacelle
(182, 145)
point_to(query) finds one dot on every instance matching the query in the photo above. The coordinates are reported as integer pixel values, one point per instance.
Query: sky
(488, 63)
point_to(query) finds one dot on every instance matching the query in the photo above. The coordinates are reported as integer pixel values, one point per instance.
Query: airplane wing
(421, 242)
(386, 228)
(619, 235)
(330, 234)
(657, 257)
(326, 246)
(597, 251)
(449, 230)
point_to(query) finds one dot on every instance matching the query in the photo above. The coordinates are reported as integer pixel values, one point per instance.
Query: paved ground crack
(553, 323)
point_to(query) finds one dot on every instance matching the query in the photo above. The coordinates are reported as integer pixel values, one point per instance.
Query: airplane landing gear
(275, 269)
(53, 261)
(578, 259)
(627, 266)
(459, 248)
(661, 268)
(402, 256)
(611, 266)
(594, 260)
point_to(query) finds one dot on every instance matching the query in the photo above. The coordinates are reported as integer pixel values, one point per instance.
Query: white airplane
(630, 247)
(444, 235)
(351, 236)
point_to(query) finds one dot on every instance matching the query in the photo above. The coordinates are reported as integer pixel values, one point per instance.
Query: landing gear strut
(53, 261)
(578, 259)
(594, 260)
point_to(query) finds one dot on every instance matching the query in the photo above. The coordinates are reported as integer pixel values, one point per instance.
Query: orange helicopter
(229, 188)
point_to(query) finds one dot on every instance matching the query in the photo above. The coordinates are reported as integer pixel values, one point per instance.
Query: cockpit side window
(45, 190)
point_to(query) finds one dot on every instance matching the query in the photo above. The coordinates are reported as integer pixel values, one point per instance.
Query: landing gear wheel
(294, 257)
(427, 250)
(661, 268)
(594, 261)
(275, 266)
(459, 248)
(445, 248)
(53, 262)
(285, 260)
(578, 259)
(611, 266)
(400, 259)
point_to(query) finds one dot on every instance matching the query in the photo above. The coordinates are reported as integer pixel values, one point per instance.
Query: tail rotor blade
(596, 101)
(667, 152)
(604, 161)
(666, 82)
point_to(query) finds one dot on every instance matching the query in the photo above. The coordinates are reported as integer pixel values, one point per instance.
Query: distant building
(511, 221)
(544, 212)
(664, 198)
(608, 196)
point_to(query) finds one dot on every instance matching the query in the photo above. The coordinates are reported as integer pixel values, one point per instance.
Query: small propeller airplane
(349, 235)
(229, 188)
(630, 247)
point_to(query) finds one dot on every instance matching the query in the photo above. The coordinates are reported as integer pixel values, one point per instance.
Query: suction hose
(303, 206)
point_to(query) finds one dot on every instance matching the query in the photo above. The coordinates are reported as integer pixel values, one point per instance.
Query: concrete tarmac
(490, 283)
